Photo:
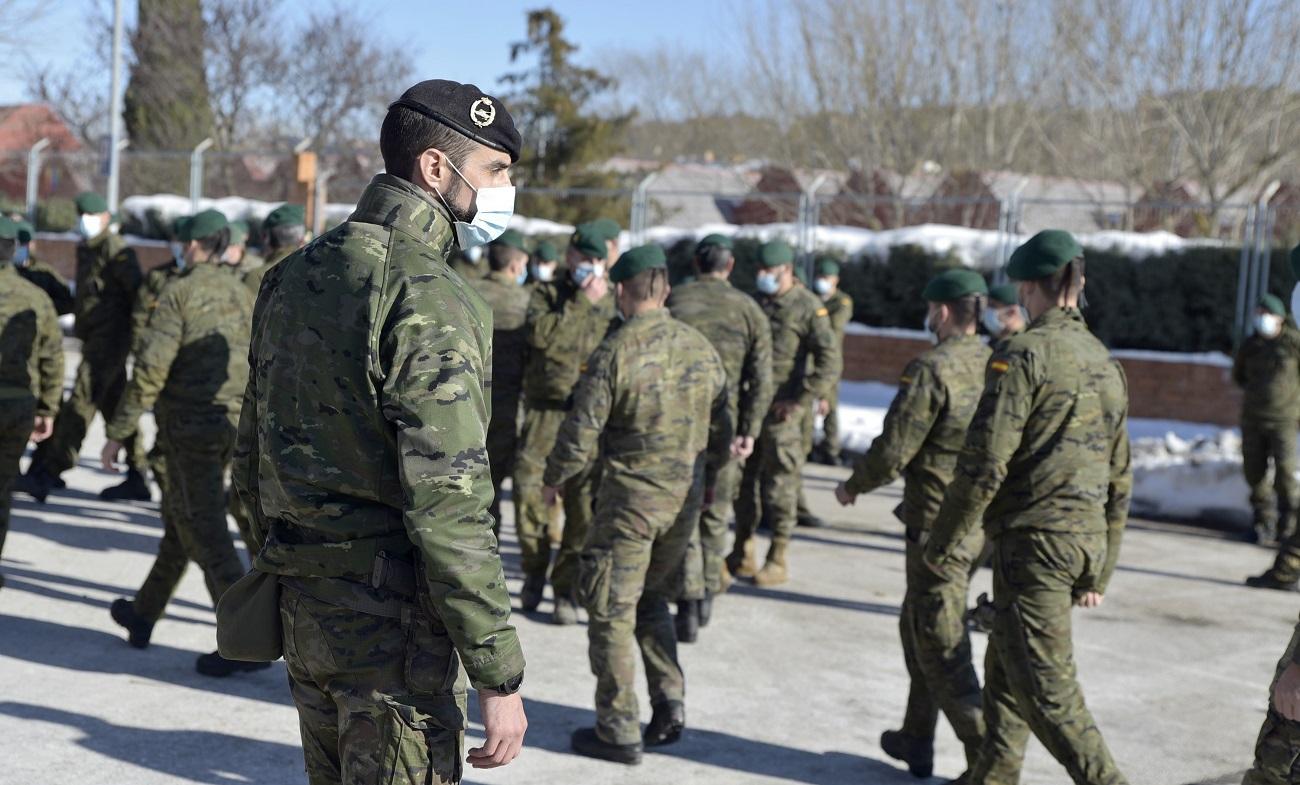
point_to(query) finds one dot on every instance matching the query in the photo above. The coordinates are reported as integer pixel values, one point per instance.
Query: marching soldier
(46, 278)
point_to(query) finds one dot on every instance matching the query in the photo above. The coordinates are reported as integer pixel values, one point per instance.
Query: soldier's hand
(42, 427)
(1286, 693)
(742, 447)
(504, 725)
(784, 410)
(595, 288)
(108, 456)
(550, 494)
(1090, 599)
(823, 407)
(843, 496)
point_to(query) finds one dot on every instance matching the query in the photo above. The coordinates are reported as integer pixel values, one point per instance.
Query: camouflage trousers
(1029, 671)
(707, 552)
(937, 648)
(99, 384)
(380, 700)
(769, 485)
(196, 450)
(1277, 751)
(1262, 444)
(831, 424)
(533, 519)
(502, 444)
(17, 416)
(631, 568)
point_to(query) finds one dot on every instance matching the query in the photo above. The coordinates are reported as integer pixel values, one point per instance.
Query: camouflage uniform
(108, 276)
(805, 363)
(31, 373)
(739, 332)
(1277, 750)
(191, 360)
(1268, 370)
(839, 308)
(48, 280)
(653, 398)
(466, 267)
(923, 434)
(361, 457)
(1046, 468)
(563, 329)
(253, 276)
(509, 303)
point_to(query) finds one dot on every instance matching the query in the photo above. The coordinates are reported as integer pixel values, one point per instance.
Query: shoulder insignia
(999, 366)
(582, 368)
(905, 380)
(823, 312)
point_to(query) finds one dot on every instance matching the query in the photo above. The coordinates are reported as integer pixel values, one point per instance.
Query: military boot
(585, 742)
(666, 724)
(566, 611)
(810, 521)
(213, 664)
(530, 596)
(918, 754)
(774, 572)
(705, 608)
(133, 489)
(138, 629)
(687, 621)
(741, 562)
(1270, 581)
(36, 483)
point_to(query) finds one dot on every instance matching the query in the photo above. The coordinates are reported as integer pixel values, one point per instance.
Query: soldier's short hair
(216, 244)
(1066, 281)
(7, 248)
(285, 236)
(713, 259)
(647, 285)
(966, 311)
(406, 134)
(500, 255)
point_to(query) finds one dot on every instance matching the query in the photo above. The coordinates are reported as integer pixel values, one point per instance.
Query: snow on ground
(1181, 471)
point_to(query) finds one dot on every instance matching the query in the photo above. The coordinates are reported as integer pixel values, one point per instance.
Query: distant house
(974, 199)
(693, 195)
(65, 170)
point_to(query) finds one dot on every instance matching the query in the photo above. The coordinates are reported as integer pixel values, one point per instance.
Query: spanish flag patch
(905, 380)
(999, 366)
(823, 312)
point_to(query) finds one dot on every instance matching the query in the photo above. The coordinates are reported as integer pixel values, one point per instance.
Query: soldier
(923, 433)
(1046, 469)
(504, 292)
(237, 255)
(805, 362)
(46, 278)
(545, 260)
(192, 363)
(566, 321)
(1003, 317)
(31, 368)
(108, 276)
(654, 397)
(1279, 736)
(285, 231)
(739, 331)
(839, 309)
(362, 457)
(1267, 369)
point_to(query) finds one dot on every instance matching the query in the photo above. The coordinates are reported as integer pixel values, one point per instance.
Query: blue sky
(465, 41)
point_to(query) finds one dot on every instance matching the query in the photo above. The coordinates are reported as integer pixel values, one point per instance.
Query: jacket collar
(395, 203)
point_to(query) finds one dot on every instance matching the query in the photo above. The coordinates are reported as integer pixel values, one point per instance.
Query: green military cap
(951, 285)
(1043, 254)
(25, 232)
(203, 225)
(1007, 294)
(90, 202)
(8, 228)
(285, 215)
(179, 227)
(637, 261)
(827, 265)
(608, 227)
(589, 240)
(511, 238)
(238, 232)
(546, 251)
(1272, 304)
(714, 241)
(1295, 262)
(775, 254)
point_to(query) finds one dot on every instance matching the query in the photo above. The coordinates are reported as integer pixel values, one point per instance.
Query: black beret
(466, 109)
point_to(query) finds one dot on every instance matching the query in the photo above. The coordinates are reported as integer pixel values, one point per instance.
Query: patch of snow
(857, 328)
(1218, 359)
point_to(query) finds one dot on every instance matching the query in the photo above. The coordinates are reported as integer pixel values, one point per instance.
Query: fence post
(641, 209)
(115, 111)
(806, 228)
(34, 177)
(1241, 324)
(196, 173)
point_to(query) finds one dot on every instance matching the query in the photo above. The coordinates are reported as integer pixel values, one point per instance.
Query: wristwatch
(511, 686)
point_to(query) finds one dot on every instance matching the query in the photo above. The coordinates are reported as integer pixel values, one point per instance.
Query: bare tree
(244, 60)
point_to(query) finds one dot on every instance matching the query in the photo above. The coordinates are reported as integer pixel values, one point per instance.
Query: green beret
(1295, 262)
(8, 228)
(714, 241)
(637, 261)
(546, 251)
(775, 254)
(204, 225)
(238, 232)
(1007, 294)
(90, 202)
(179, 228)
(827, 266)
(286, 215)
(1043, 254)
(25, 232)
(589, 240)
(511, 238)
(608, 227)
(1272, 304)
(952, 285)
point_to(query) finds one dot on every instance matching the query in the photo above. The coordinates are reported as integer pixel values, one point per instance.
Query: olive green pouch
(249, 628)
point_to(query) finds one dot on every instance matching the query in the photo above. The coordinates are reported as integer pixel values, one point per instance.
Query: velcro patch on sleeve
(582, 368)
(823, 312)
(999, 366)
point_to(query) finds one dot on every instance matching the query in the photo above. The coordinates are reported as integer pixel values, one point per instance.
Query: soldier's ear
(432, 170)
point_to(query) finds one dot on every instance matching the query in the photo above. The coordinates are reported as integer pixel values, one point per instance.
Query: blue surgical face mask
(992, 321)
(178, 255)
(20, 255)
(544, 274)
(768, 283)
(584, 271)
(822, 287)
(493, 208)
(522, 278)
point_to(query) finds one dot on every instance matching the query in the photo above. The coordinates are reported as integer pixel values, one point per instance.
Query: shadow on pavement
(801, 535)
(188, 755)
(1241, 584)
(92, 651)
(116, 591)
(812, 599)
(12, 585)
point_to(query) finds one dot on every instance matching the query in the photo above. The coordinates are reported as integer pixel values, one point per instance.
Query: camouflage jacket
(563, 330)
(192, 355)
(653, 398)
(253, 275)
(839, 309)
(146, 299)
(1048, 448)
(31, 345)
(806, 360)
(509, 303)
(925, 428)
(364, 424)
(1268, 370)
(48, 280)
(739, 331)
(108, 275)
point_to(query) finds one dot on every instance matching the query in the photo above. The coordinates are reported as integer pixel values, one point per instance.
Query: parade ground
(789, 685)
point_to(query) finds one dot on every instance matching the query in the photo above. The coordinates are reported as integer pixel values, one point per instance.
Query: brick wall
(1188, 391)
(62, 255)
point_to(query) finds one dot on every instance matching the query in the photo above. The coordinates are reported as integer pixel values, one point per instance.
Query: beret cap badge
(482, 113)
